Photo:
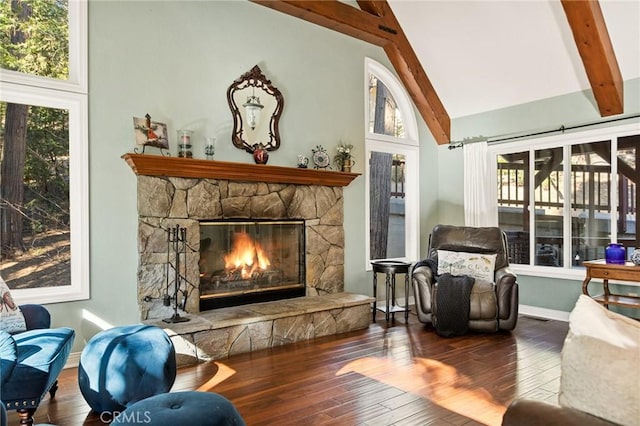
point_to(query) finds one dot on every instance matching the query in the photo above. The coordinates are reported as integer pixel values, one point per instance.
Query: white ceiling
(483, 55)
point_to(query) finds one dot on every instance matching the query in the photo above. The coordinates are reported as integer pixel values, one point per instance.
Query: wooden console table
(608, 271)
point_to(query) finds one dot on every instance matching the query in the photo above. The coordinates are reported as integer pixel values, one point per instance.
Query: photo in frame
(150, 133)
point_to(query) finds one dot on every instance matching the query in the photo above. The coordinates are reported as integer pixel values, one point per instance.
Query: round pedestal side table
(390, 268)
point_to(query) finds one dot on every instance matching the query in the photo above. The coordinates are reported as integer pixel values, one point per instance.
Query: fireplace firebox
(250, 261)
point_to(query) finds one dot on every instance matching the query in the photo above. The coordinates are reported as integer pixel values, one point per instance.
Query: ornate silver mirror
(256, 107)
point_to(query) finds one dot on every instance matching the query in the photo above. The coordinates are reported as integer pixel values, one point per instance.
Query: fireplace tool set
(176, 246)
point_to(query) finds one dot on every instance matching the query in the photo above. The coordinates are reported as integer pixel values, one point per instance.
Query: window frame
(71, 95)
(566, 141)
(407, 146)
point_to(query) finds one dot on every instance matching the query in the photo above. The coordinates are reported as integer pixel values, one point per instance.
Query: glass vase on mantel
(347, 164)
(615, 254)
(184, 144)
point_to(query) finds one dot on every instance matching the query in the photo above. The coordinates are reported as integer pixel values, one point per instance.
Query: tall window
(562, 200)
(392, 167)
(43, 146)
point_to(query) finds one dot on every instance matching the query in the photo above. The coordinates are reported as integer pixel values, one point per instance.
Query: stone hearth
(219, 333)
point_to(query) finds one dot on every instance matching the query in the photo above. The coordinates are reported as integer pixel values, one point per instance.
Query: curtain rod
(562, 129)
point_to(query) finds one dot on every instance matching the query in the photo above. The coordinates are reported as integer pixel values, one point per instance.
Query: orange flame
(246, 256)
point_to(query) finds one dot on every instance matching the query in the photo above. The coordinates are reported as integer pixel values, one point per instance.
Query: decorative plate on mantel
(320, 157)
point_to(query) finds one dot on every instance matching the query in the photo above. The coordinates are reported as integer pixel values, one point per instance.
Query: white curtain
(480, 182)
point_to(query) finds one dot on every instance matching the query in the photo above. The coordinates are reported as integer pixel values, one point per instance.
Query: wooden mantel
(157, 165)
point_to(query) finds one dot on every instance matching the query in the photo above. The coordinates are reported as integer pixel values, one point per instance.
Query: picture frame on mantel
(150, 133)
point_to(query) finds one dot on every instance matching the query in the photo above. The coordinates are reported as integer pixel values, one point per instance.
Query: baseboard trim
(73, 360)
(552, 314)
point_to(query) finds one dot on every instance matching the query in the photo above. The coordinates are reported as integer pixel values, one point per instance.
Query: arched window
(391, 170)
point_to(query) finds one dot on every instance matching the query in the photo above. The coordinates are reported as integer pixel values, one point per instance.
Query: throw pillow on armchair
(11, 318)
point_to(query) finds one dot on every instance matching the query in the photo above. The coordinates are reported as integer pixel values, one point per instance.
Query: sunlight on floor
(223, 373)
(435, 381)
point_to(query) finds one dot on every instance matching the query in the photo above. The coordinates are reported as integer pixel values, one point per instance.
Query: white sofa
(600, 373)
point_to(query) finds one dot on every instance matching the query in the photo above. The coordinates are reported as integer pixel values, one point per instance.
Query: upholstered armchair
(493, 303)
(31, 361)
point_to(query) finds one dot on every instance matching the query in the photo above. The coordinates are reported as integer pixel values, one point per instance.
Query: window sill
(575, 274)
(47, 295)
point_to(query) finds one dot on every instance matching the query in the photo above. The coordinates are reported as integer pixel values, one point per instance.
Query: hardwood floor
(396, 374)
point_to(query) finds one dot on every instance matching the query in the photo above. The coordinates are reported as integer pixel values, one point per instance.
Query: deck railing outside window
(591, 188)
(397, 178)
(511, 188)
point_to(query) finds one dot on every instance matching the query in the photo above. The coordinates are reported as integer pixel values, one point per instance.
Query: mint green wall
(575, 108)
(175, 61)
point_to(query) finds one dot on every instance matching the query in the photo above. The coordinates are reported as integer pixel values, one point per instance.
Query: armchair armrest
(505, 280)
(507, 296)
(36, 316)
(422, 279)
(8, 355)
(423, 274)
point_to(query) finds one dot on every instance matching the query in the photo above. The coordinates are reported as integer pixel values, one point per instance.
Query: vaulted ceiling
(458, 58)
(483, 55)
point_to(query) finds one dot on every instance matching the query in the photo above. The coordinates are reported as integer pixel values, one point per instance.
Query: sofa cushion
(11, 318)
(601, 363)
(483, 304)
(475, 265)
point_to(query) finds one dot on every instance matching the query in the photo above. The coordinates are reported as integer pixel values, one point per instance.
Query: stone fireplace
(192, 193)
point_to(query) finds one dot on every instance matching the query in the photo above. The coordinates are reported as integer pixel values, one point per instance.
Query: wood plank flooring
(388, 374)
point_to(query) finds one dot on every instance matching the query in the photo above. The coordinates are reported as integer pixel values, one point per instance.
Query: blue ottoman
(181, 408)
(124, 365)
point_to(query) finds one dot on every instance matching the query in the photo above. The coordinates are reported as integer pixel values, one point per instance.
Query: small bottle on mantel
(184, 143)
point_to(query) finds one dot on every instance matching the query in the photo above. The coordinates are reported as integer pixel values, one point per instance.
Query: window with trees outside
(392, 168)
(564, 198)
(43, 150)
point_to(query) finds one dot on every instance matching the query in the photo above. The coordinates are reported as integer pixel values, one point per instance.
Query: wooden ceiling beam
(375, 23)
(594, 45)
(336, 16)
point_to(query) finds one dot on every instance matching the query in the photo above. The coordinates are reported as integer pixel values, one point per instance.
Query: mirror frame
(255, 78)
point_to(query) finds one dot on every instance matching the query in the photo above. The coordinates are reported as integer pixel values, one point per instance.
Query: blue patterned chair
(31, 361)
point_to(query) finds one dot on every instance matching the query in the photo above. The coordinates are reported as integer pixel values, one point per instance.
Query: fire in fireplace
(245, 262)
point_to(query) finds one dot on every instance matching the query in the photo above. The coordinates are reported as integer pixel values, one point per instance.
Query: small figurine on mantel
(150, 133)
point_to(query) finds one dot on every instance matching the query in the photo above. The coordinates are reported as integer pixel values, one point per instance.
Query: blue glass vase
(615, 253)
